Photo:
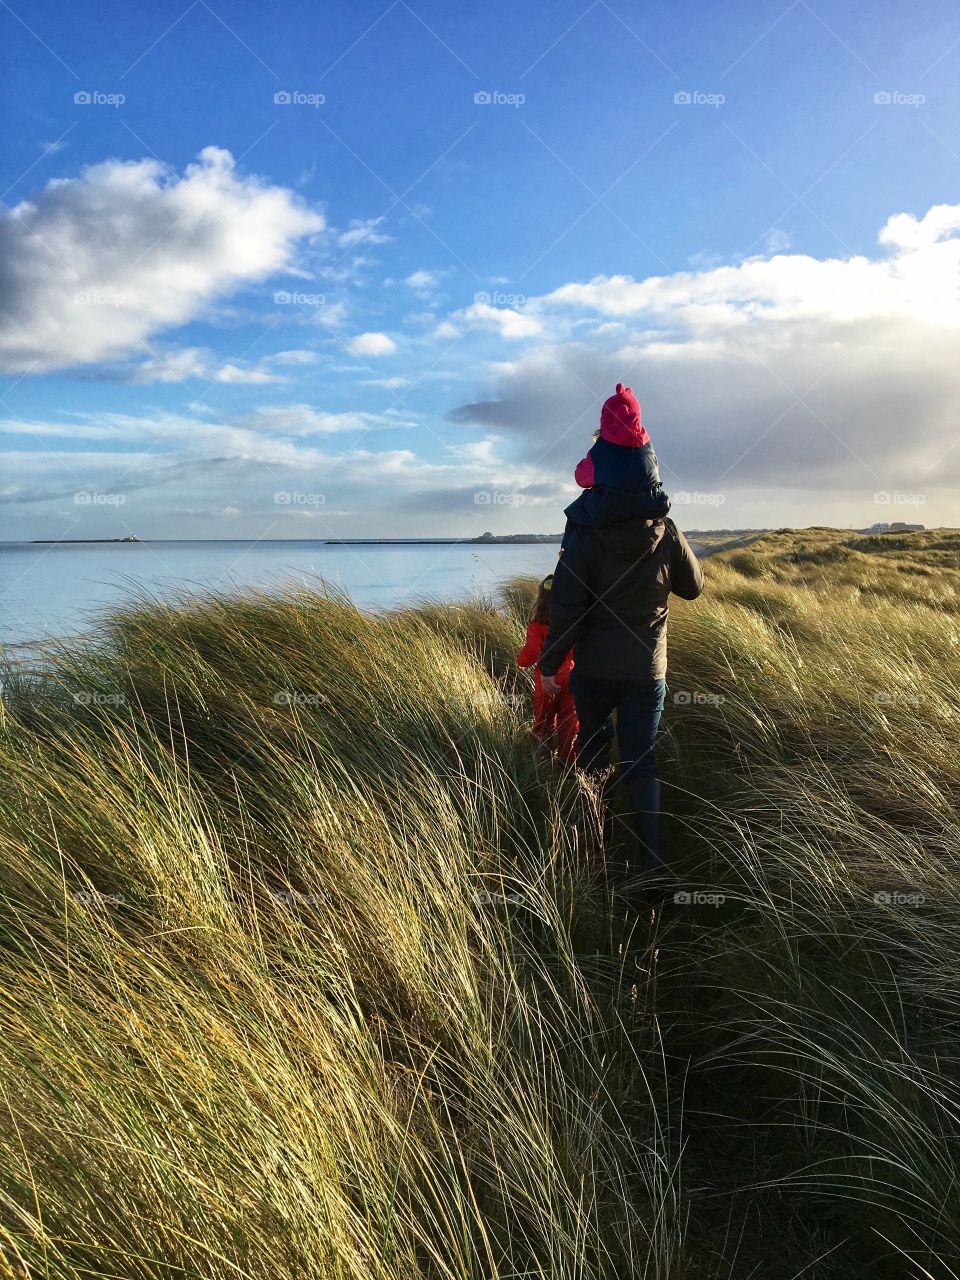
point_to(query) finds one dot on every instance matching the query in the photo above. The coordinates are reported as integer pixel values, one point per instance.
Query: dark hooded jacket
(610, 595)
(625, 484)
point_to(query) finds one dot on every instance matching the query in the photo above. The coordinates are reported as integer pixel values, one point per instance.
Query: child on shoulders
(620, 475)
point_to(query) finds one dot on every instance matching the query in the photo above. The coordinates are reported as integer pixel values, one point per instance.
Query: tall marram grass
(308, 967)
(288, 980)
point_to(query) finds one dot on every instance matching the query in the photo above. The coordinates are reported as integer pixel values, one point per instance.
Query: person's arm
(584, 473)
(686, 576)
(570, 601)
(528, 655)
(563, 674)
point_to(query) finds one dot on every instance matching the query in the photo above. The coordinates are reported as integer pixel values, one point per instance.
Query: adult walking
(609, 603)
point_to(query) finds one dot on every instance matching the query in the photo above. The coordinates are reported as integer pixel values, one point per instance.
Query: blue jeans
(639, 705)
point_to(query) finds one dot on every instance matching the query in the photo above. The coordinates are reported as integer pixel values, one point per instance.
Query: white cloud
(171, 366)
(476, 450)
(256, 376)
(825, 376)
(506, 321)
(179, 365)
(305, 420)
(182, 474)
(423, 279)
(371, 344)
(293, 357)
(362, 231)
(331, 315)
(97, 264)
(916, 280)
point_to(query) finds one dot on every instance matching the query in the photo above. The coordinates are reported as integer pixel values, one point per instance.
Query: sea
(56, 590)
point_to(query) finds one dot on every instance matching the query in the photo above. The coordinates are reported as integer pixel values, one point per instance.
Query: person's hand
(549, 684)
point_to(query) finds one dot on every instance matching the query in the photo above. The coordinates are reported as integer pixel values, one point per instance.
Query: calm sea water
(58, 590)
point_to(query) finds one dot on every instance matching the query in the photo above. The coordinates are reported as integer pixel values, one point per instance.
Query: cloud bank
(97, 264)
(818, 375)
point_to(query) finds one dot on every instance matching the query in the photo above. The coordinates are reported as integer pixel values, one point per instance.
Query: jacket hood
(631, 539)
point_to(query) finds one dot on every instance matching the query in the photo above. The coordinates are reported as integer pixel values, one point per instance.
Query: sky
(326, 270)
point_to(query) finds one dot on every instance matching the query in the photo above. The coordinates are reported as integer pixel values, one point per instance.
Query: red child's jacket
(553, 714)
(529, 655)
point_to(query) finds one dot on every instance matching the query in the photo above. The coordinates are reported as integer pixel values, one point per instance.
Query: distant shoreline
(508, 540)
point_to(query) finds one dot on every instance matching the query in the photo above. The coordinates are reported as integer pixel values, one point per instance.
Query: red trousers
(555, 718)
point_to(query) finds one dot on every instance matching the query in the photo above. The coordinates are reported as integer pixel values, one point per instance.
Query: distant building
(894, 526)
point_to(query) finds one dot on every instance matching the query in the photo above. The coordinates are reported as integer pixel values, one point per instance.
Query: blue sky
(390, 306)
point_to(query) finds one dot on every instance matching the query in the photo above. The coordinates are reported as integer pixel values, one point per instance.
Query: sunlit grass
(308, 967)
